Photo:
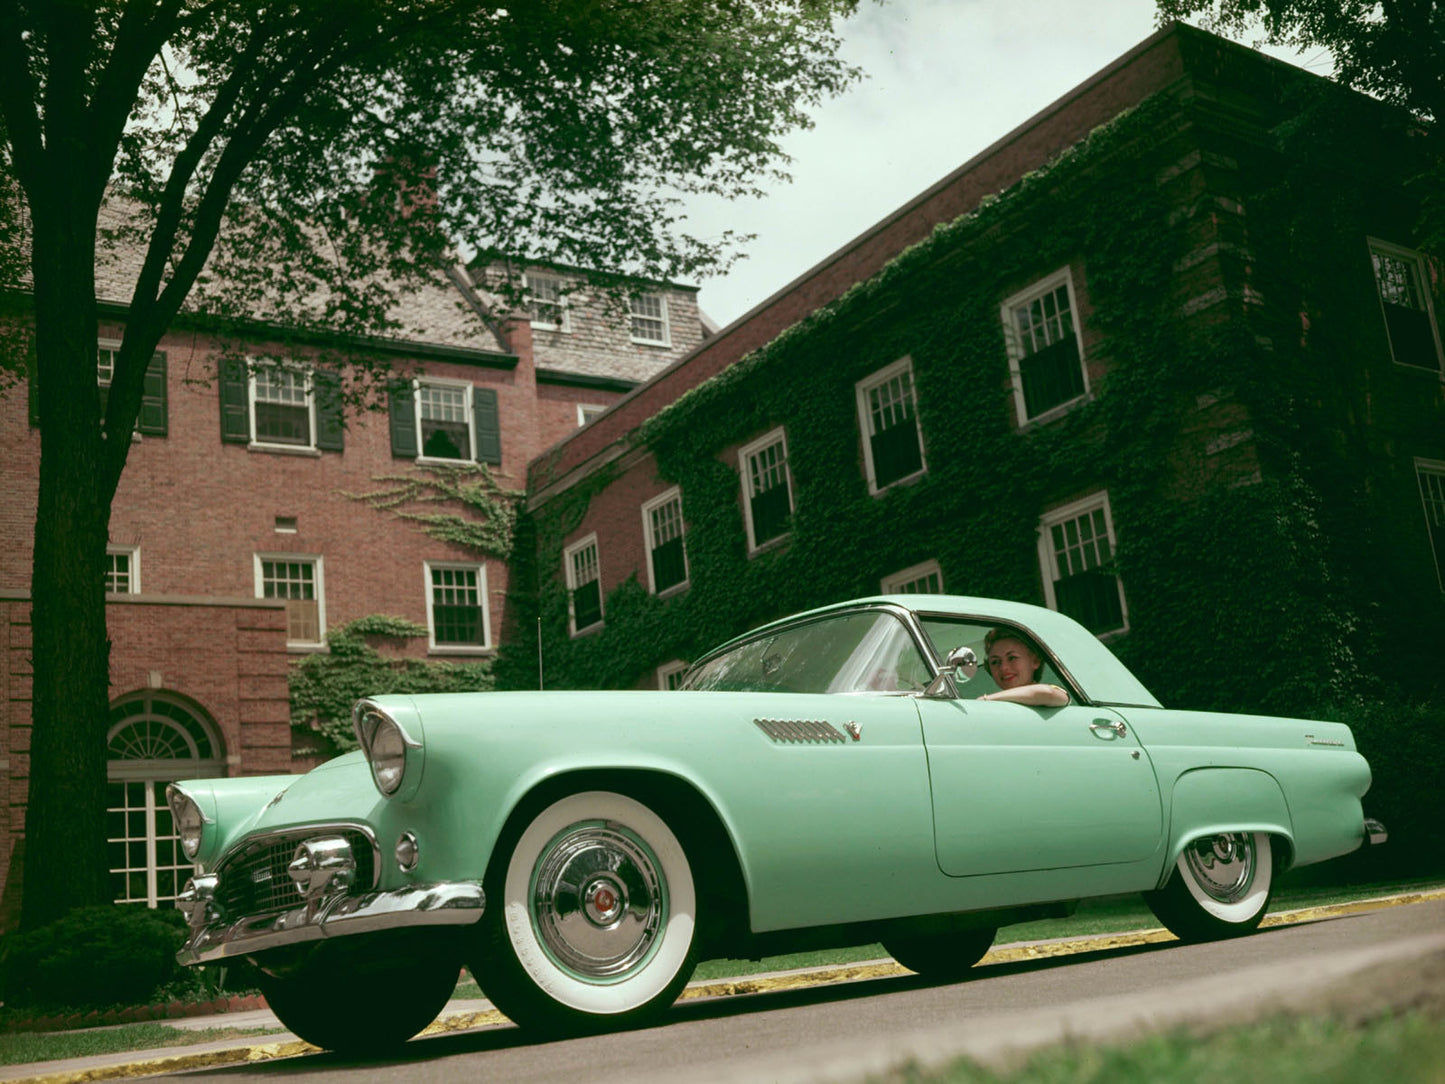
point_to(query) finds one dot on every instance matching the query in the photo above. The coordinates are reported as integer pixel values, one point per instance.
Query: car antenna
(540, 685)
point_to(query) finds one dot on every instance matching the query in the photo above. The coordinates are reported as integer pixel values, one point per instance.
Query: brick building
(1164, 357)
(238, 540)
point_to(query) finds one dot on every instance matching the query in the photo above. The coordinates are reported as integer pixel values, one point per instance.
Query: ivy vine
(485, 521)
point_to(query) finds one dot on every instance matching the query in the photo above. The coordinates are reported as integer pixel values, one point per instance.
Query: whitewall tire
(1220, 887)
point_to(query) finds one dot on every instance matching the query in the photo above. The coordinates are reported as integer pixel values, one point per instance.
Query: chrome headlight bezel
(188, 819)
(392, 750)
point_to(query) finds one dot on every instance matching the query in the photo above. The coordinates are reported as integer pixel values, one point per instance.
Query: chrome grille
(254, 881)
(799, 730)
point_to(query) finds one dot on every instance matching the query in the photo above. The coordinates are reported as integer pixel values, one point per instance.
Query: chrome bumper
(216, 937)
(1375, 833)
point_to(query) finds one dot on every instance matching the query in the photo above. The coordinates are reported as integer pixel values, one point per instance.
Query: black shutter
(330, 411)
(153, 404)
(402, 419)
(487, 425)
(235, 415)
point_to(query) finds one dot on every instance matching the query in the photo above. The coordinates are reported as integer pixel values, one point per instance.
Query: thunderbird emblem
(854, 731)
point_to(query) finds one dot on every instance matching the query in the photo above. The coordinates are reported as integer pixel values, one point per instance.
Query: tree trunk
(65, 849)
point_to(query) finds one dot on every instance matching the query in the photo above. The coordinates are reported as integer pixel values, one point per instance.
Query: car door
(1019, 788)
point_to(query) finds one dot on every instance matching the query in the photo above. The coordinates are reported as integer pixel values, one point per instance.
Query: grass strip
(23, 1048)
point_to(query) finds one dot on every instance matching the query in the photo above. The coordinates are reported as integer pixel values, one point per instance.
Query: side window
(1046, 362)
(583, 569)
(767, 489)
(122, 570)
(662, 528)
(546, 302)
(456, 607)
(1076, 555)
(923, 579)
(298, 581)
(587, 411)
(444, 420)
(1431, 477)
(279, 406)
(1402, 282)
(649, 319)
(888, 418)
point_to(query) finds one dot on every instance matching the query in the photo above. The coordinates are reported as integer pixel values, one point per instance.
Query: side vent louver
(799, 730)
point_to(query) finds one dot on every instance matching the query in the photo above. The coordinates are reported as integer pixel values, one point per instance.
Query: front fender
(1211, 801)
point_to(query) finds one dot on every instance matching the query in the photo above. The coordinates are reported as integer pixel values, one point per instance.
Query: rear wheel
(361, 1006)
(1220, 887)
(941, 955)
(596, 917)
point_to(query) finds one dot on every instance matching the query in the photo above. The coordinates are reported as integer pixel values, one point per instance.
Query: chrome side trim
(799, 730)
(444, 903)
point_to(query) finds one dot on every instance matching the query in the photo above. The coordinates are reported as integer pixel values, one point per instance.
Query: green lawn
(24, 1047)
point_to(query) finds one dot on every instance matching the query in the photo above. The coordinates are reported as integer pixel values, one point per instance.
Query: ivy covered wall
(1254, 438)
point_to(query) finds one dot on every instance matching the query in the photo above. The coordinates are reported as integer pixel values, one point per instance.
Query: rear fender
(1211, 801)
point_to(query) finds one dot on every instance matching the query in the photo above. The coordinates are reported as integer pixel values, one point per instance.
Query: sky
(944, 79)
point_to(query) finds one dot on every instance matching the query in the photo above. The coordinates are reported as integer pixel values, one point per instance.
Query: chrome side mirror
(960, 666)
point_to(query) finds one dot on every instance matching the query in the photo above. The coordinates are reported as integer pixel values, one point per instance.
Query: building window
(767, 488)
(1076, 553)
(456, 607)
(649, 319)
(924, 579)
(662, 527)
(1046, 362)
(587, 411)
(888, 417)
(153, 740)
(546, 302)
(152, 416)
(670, 674)
(583, 569)
(1400, 276)
(122, 570)
(281, 406)
(298, 581)
(444, 420)
(1431, 477)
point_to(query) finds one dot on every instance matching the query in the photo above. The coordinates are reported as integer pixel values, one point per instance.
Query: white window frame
(309, 382)
(1422, 283)
(671, 495)
(132, 554)
(319, 581)
(570, 574)
(586, 412)
(465, 386)
(486, 646)
(865, 422)
(1047, 565)
(1062, 277)
(111, 346)
(665, 339)
(670, 670)
(897, 583)
(530, 280)
(745, 470)
(1436, 469)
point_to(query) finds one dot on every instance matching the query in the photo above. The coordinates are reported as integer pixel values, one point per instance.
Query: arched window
(154, 739)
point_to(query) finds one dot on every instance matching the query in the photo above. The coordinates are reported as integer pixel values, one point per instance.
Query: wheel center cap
(604, 901)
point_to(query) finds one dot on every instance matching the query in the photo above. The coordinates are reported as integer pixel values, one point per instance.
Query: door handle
(1118, 727)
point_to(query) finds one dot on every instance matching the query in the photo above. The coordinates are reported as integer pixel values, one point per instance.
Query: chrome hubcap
(598, 900)
(1222, 866)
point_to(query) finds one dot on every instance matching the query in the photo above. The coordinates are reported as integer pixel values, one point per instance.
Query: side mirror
(960, 666)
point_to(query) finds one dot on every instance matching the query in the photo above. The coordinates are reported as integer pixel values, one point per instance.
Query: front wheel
(941, 955)
(362, 1006)
(597, 916)
(1220, 887)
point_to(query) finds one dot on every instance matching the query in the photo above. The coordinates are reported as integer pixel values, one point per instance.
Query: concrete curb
(149, 1063)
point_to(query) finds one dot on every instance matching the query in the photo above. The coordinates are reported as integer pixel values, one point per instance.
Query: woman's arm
(1039, 696)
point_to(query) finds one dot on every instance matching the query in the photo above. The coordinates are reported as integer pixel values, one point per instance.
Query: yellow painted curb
(876, 969)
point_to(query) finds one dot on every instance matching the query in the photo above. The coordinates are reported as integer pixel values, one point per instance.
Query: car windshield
(862, 652)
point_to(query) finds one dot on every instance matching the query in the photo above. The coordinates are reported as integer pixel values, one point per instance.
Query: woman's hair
(995, 635)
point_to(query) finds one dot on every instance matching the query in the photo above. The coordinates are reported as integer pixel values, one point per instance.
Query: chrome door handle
(1103, 724)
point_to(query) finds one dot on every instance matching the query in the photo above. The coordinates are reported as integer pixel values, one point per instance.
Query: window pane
(283, 412)
(457, 607)
(649, 318)
(445, 422)
(117, 573)
(587, 605)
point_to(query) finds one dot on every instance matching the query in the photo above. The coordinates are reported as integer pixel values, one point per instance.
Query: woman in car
(1014, 665)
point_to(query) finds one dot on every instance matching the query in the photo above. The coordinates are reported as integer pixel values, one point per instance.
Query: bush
(94, 956)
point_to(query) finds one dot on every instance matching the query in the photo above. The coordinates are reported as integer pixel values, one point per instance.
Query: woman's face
(1011, 663)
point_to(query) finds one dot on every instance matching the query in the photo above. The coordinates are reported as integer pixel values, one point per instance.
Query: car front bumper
(215, 936)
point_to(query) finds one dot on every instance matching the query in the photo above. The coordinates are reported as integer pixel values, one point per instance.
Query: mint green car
(831, 779)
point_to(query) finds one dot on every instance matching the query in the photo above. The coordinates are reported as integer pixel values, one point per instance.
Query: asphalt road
(845, 1032)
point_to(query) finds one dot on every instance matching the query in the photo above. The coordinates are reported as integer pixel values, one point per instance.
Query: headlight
(188, 820)
(388, 747)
